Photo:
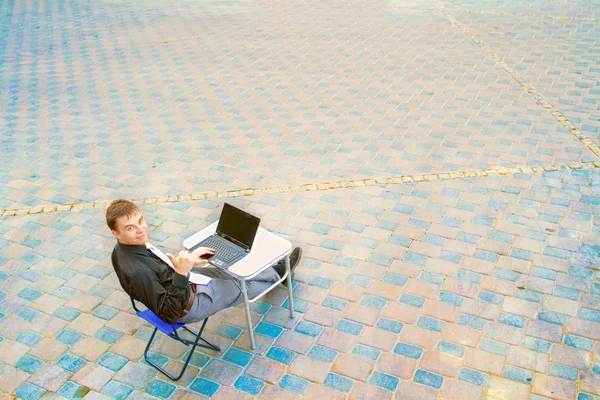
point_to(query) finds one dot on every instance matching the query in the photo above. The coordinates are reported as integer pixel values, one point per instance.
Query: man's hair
(117, 209)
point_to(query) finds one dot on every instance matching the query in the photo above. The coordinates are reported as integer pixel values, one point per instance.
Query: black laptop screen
(238, 224)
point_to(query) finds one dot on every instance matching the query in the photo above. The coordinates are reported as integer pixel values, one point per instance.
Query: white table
(268, 248)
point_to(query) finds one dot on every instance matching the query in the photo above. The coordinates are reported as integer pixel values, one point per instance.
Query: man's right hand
(184, 262)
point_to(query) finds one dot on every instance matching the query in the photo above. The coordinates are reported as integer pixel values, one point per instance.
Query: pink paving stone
(440, 363)
(441, 267)
(48, 350)
(422, 288)
(583, 328)
(229, 393)
(481, 309)
(590, 301)
(362, 314)
(385, 290)
(573, 282)
(323, 315)
(11, 378)
(406, 269)
(553, 387)
(409, 390)
(265, 370)
(347, 292)
(503, 333)
(419, 336)
(309, 368)
(320, 392)
(544, 330)
(395, 364)
(353, 367)
(401, 312)
(93, 376)
(440, 310)
(484, 361)
(50, 377)
(461, 334)
(572, 357)
(497, 285)
(273, 392)
(460, 390)
(590, 383)
(364, 391)
(11, 352)
(312, 294)
(460, 287)
(295, 341)
(536, 284)
(514, 264)
(519, 306)
(527, 359)
(505, 389)
(337, 340)
(378, 338)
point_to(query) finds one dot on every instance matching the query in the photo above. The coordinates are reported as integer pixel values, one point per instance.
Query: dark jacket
(149, 280)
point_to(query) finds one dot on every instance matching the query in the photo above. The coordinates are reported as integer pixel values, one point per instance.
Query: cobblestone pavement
(438, 161)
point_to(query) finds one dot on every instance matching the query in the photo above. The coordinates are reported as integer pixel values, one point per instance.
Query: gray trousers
(222, 292)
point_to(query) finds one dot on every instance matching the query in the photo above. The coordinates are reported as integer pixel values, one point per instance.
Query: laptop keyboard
(224, 252)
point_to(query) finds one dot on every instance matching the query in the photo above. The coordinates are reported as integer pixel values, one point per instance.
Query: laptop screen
(238, 224)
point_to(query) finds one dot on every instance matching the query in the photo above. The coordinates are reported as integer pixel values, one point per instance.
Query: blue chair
(171, 331)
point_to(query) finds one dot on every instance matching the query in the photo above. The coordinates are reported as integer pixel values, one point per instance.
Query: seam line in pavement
(308, 187)
(538, 97)
(445, 10)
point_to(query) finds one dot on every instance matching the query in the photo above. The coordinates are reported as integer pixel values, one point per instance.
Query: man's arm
(167, 303)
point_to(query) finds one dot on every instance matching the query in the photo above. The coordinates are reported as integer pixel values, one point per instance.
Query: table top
(267, 249)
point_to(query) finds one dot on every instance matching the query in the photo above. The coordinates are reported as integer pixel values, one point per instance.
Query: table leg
(289, 284)
(248, 315)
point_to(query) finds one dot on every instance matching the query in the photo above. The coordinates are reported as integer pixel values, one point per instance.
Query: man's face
(131, 230)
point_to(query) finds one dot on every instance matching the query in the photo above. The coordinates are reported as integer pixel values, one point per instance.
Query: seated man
(162, 284)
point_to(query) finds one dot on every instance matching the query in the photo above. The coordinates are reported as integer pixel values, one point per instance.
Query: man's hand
(185, 261)
(203, 252)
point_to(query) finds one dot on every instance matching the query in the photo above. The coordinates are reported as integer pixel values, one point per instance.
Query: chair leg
(194, 344)
(158, 367)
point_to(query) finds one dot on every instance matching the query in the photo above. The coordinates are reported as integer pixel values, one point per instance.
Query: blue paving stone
(160, 389)
(412, 300)
(490, 297)
(68, 336)
(467, 237)
(294, 383)
(590, 315)
(344, 261)
(536, 344)
(552, 317)
(433, 239)
(451, 298)
(390, 325)
(596, 368)
(385, 381)
(308, 328)
(506, 274)
(335, 303)
(322, 353)
(586, 396)
(29, 338)
(70, 362)
(562, 371)
(64, 273)
(237, 357)
(31, 258)
(431, 324)
(338, 382)
(476, 377)
(451, 257)
(451, 348)
(517, 374)
(204, 387)
(299, 305)
(29, 364)
(260, 307)
(321, 282)
(249, 384)
(332, 244)
(358, 280)
(469, 276)
(31, 275)
(428, 378)
(28, 391)
(515, 320)
(415, 258)
(580, 271)
(353, 226)
(267, 329)
(280, 355)
(351, 327)
(367, 242)
(366, 352)
(486, 255)
(471, 321)
(229, 331)
(408, 350)
(72, 390)
(386, 225)
(373, 301)
(529, 295)
(543, 273)
(108, 335)
(320, 228)
(432, 277)
(395, 279)
(400, 241)
(114, 362)
(198, 360)
(158, 359)
(579, 342)
(491, 346)
(67, 313)
(29, 294)
(104, 312)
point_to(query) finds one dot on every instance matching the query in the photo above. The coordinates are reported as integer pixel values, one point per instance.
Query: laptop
(234, 237)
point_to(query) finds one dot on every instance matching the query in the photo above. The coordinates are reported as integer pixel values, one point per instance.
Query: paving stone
(89, 348)
(393, 364)
(265, 370)
(309, 368)
(353, 367)
(11, 378)
(483, 361)
(460, 390)
(440, 363)
(221, 372)
(553, 387)
(409, 390)
(135, 375)
(295, 341)
(92, 376)
(50, 377)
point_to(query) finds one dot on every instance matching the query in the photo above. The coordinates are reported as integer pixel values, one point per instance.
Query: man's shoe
(294, 261)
